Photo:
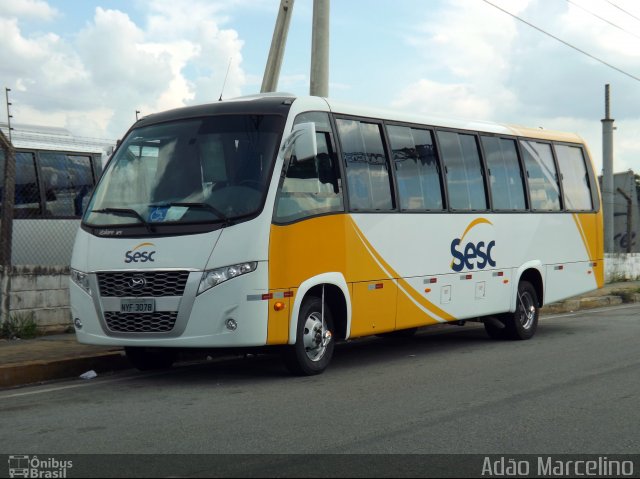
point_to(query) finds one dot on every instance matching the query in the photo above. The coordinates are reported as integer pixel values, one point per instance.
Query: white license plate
(137, 306)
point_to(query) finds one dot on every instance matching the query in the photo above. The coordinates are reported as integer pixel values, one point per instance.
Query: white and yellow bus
(296, 222)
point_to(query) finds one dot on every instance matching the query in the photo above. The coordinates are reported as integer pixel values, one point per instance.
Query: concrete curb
(30, 372)
(572, 305)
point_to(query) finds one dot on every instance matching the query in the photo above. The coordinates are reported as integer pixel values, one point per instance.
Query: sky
(88, 65)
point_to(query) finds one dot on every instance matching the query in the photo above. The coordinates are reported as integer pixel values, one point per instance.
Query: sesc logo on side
(472, 255)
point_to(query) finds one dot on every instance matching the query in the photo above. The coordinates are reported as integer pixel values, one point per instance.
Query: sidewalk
(61, 356)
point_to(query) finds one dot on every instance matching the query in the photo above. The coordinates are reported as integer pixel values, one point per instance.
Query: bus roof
(281, 102)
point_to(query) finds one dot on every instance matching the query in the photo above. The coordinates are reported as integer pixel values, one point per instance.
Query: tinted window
(312, 186)
(505, 176)
(464, 171)
(417, 173)
(366, 165)
(542, 176)
(67, 179)
(575, 178)
(27, 194)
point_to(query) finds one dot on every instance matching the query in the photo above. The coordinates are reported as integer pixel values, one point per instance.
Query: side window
(505, 175)
(366, 165)
(542, 176)
(465, 179)
(575, 178)
(27, 194)
(417, 172)
(97, 166)
(312, 186)
(67, 179)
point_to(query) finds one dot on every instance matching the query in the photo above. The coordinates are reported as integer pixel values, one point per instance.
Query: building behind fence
(46, 178)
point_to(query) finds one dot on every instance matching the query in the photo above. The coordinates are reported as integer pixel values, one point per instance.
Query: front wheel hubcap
(316, 337)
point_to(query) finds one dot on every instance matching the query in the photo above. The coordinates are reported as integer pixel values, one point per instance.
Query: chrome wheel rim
(316, 337)
(527, 312)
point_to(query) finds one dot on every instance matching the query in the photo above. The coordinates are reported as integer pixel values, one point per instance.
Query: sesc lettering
(472, 256)
(139, 256)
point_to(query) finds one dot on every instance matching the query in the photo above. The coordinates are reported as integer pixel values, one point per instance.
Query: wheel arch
(337, 297)
(531, 272)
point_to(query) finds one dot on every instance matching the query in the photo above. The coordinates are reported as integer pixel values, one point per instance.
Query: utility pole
(607, 173)
(278, 43)
(319, 79)
(9, 115)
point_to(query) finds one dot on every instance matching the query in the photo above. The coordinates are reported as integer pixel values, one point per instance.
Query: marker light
(216, 276)
(81, 279)
(279, 306)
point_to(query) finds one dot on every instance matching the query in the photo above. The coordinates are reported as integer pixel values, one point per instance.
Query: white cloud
(36, 9)
(94, 79)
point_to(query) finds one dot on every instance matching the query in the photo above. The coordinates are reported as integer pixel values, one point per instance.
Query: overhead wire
(593, 57)
(571, 2)
(622, 9)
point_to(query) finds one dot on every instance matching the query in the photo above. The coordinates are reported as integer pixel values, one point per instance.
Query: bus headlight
(216, 276)
(81, 279)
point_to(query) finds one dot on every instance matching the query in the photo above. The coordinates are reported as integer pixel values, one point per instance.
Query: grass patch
(19, 325)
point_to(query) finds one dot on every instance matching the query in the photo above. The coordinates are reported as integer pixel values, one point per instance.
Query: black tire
(300, 358)
(145, 359)
(522, 324)
(495, 331)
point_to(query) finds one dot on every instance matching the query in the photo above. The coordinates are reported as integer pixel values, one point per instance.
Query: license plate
(137, 306)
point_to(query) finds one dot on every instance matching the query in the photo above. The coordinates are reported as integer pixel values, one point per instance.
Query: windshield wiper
(126, 212)
(202, 206)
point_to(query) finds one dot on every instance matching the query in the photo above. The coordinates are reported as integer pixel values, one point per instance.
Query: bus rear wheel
(313, 350)
(523, 322)
(145, 359)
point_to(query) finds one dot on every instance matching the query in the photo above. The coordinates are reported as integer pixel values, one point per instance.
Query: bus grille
(158, 322)
(154, 283)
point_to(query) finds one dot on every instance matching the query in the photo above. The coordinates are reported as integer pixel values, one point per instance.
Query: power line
(601, 18)
(563, 42)
(622, 10)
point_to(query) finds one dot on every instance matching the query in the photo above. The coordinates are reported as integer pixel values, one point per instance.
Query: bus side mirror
(302, 142)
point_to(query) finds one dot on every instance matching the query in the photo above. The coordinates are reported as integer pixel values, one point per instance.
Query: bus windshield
(203, 170)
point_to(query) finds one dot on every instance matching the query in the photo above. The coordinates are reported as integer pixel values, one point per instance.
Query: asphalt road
(574, 388)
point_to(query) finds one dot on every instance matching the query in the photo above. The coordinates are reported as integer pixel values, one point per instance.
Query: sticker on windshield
(158, 214)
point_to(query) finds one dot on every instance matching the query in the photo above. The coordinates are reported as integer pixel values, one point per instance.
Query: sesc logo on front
(135, 256)
(472, 255)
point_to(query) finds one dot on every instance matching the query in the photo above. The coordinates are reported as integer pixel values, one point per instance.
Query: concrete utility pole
(278, 43)
(9, 115)
(607, 173)
(319, 84)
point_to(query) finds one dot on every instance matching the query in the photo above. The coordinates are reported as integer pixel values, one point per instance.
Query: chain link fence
(52, 179)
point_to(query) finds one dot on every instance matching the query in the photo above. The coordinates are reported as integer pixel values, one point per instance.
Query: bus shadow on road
(443, 342)
(350, 354)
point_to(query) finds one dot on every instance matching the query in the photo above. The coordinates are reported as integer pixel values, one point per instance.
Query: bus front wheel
(314, 344)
